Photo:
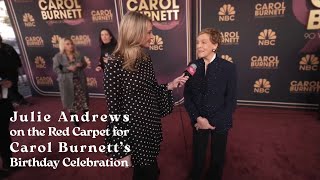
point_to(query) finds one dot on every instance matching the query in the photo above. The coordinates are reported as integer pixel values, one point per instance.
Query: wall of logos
(275, 45)
(39, 24)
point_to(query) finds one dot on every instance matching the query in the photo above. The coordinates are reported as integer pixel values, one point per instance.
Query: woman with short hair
(210, 99)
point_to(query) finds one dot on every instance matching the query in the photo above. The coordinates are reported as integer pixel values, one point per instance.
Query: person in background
(6, 111)
(131, 89)
(69, 66)
(210, 99)
(107, 45)
(10, 63)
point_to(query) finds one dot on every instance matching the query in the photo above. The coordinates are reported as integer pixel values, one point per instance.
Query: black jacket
(212, 94)
(9, 62)
(137, 94)
(105, 49)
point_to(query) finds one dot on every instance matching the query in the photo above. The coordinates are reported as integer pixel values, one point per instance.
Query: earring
(213, 50)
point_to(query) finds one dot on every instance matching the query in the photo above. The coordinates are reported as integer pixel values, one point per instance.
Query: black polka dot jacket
(137, 94)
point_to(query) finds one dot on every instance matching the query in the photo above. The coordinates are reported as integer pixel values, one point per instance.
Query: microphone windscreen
(191, 69)
(194, 66)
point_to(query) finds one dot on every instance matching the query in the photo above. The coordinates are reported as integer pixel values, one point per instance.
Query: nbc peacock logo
(227, 13)
(267, 37)
(40, 62)
(227, 57)
(156, 43)
(309, 62)
(55, 41)
(92, 82)
(262, 86)
(28, 20)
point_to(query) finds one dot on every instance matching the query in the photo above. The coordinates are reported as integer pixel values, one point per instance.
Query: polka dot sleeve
(113, 80)
(165, 99)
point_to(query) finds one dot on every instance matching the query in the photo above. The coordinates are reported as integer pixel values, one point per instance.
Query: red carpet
(265, 144)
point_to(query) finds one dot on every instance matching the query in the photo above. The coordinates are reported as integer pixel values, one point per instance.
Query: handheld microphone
(191, 70)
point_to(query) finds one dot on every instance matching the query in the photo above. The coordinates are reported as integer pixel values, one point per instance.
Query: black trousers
(218, 151)
(6, 111)
(13, 91)
(150, 172)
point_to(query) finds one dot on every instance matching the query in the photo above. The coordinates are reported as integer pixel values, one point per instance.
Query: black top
(212, 94)
(9, 61)
(105, 49)
(139, 95)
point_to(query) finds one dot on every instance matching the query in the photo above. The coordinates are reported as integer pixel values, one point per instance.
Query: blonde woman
(132, 89)
(69, 66)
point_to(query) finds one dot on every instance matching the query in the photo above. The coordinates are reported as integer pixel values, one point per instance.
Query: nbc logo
(227, 13)
(92, 82)
(40, 63)
(55, 41)
(230, 38)
(267, 38)
(262, 86)
(309, 63)
(271, 9)
(227, 57)
(305, 86)
(28, 20)
(156, 43)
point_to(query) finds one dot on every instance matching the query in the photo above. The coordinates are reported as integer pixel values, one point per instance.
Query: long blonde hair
(61, 46)
(132, 31)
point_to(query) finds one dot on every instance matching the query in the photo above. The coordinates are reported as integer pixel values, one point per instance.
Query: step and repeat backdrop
(275, 45)
(39, 24)
(171, 47)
